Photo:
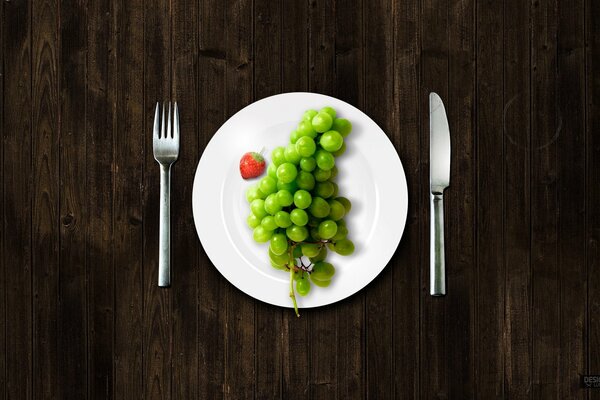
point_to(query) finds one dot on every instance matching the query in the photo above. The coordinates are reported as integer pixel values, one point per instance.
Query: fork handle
(164, 229)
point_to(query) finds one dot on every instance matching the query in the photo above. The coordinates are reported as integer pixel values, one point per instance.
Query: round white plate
(370, 175)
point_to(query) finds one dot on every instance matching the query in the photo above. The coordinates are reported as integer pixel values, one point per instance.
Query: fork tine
(162, 124)
(176, 122)
(169, 124)
(156, 132)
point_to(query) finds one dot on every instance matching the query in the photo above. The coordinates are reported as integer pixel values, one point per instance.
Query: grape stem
(292, 271)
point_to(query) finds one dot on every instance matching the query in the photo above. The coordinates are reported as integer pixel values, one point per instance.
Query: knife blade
(439, 180)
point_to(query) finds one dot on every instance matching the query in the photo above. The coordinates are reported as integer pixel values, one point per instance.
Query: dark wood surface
(82, 316)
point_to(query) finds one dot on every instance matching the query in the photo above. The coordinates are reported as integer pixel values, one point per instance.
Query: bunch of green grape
(297, 208)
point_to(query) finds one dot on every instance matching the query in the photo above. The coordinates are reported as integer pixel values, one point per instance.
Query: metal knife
(439, 179)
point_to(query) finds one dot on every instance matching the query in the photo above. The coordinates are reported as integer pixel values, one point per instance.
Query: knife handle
(437, 271)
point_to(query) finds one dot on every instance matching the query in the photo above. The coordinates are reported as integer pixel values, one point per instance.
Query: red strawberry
(252, 165)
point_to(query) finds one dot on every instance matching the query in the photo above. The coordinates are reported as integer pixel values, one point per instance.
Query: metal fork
(166, 151)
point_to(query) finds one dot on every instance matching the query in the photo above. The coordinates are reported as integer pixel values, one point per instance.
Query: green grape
(309, 115)
(305, 180)
(327, 229)
(319, 257)
(253, 221)
(285, 198)
(328, 110)
(286, 172)
(297, 252)
(319, 208)
(261, 235)
(294, 136)
(331, 141)
(324, 189)
(336, 210)
(292, 155)
(272, 172)
(282, 219)
(299, 217)
(308, 164)
(340, 151)
(257, 207)
(344, 247)
(272, 205)
(296, 233)
(302, 199)
(254, 193)
(289, 186)
(321, 175)
(310, 249)
(268, 185)
(322, 271)
(281, 259)
(268, 223)
(334, 172)
(322, 122)
(303, 286)
(305, 146)
(325, 160)
(314, 234)
(336, 189)
(320, 283)
(278, 156)
(341, 222)
(278, 244)
(298, 275)
(277, 266)
(305, 128)
(341, 233)
(342, 125)
(345, 202)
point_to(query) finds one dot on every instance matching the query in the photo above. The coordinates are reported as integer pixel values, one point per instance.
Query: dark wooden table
(82, 316)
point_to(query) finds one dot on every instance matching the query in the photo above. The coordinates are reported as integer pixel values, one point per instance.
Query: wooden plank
(157, 349)
(461, 201)
(571, 198)
(267, 82)
(323, 333)
(45, 212)
(378, 104)
(100, 133)
(592, 195)
(517, 217)
(434, 78)
(294, 75)
(240, 370)
(489, 345)
(130, 133)
(544, 203)
(406, 263)
(211, 288)
(184, 239)
(349, 86)
(17, 193)
(72, 312)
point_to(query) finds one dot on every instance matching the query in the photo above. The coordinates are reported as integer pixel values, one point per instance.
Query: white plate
(370, 175)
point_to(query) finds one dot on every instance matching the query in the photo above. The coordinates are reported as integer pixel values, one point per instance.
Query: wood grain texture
(72, 295)
(17, 208)
(489, 328)
(127, 196)
(45, 205)
(82, 316)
